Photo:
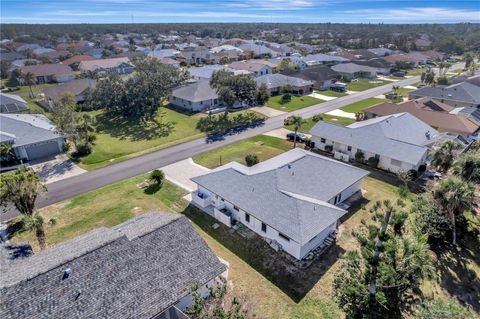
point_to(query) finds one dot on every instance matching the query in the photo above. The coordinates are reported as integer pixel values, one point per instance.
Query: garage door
(42, 150)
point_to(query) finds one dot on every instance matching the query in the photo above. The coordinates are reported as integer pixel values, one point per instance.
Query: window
(236, 208)
(377, 157)
(322, 140)
(247, 217)
(283, 236)
(349, 148)
(264, 227)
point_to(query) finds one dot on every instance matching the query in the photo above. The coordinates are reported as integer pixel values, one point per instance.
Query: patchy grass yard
(309, 123)
(35, 88)
(331, 93)
(361, 105)
(297, 102)
(365, 84)
(416, 71)
(263, 146)
(119, 139)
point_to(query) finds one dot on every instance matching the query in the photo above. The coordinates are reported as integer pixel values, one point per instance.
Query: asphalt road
(70, 187)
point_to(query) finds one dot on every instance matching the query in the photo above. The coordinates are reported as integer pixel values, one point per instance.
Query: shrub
(422, 168)
(317, 118)
(413, 174)
(372, 162)
(403, 191)
(359, 157)
(286, 98)
(251, 159)
(328, 148)
(83, 149)
(66, 147)
(157, 176)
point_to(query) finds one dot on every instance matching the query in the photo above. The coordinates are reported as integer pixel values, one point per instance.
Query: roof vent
(427, 135)
(289, 166)
(66, 273)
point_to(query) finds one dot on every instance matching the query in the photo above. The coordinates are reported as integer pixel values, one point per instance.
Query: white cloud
(415, 14)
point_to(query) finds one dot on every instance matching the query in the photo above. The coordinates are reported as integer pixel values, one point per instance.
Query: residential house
(362, 54)
(297, 61)
(397, 141)
(382, 51)
(195, 56)
(54, 55)
(206, 72)
(258, 50)
(276, 82)
(11, 56)
(169, 61)
(440, 116)
(457, 95)
(10, 103)
(229, 55)
(196, 96)
(165, 53)
(321, 76)
(143, 268)
(257, 69)
(351, 71)
(379, 65)
(78, 88)
(49, 73)
(33, 136)
(401, 58)
(289, 200)
(75, 60)
(320, 58)
(107, 66)
(225, 47)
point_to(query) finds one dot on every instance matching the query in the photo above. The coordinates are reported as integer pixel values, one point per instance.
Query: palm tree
(28, 79)
(442, 157)
(455, 196)
(6, 151)
(297, 122)
(35, 224)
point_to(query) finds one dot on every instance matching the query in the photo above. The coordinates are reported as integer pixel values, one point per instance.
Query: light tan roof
(102, 64)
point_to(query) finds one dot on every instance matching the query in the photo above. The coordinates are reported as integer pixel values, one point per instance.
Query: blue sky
(307, 11)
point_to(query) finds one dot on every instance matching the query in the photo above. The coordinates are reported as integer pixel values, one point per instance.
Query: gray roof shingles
(28, 128)
(289, 192)
(135, 270)
(463, 92)
(196, 92)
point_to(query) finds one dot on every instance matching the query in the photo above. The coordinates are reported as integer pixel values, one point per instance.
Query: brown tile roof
(433, 112)
(47, 69)
(78, 58)
(102, 64)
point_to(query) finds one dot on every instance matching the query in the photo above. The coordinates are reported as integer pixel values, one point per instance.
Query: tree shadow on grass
(277, 267)
(456, 277)
(133, 129)
(152, 189)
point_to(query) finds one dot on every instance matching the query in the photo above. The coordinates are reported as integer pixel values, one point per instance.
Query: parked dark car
(300, 137)
(399, 74)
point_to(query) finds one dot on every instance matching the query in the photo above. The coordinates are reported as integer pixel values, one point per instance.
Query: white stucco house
(399, 141)
(289, 200)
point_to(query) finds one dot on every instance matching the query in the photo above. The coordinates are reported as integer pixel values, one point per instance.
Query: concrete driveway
(56, 168)
(267, 111)
(180, 173)
(281, 133)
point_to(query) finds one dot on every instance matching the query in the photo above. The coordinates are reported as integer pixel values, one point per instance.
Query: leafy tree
(109, 95)
(468, 60)
(157, 176)
(251, 159)
(443, 156)
(224, 60)
(7, 152)
(21, 190)
(455, 196)
(428, 77)
(14, 79)
(297, 122)
(4, 66)
(359, 156)
(35, 223)
(467, 166)
(263, 94)
(84, 134)
(431, 218)
(234, 88)
(287, 88)
(65, 115)
(442, 80)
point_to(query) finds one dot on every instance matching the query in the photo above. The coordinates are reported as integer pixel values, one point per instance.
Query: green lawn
(416, 71)
(120, 139)
(309, 123)
(35, 88)
(404, 91)
(297, 102)
(263, 146)
(365, 84)
(331, 93)
(361, 105)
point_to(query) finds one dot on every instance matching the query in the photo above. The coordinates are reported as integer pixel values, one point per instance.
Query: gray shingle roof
(28, 128)
(75, 87)
(320, 58)
(10, 103)
(278, 80)
(462, 92)
(399, 136)
(352, 68)
(196, 92)
(288, 192)
(134, 270)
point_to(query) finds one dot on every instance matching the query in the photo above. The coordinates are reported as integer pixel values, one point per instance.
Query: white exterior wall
(317, 240)
(64, 78)
(385, 163)
(193, 106)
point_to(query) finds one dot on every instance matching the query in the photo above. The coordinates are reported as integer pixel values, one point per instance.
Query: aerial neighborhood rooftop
(238, 170)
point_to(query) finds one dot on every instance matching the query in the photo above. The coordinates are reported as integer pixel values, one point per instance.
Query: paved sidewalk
(322, 97)
(267, 111)
(180, 173)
